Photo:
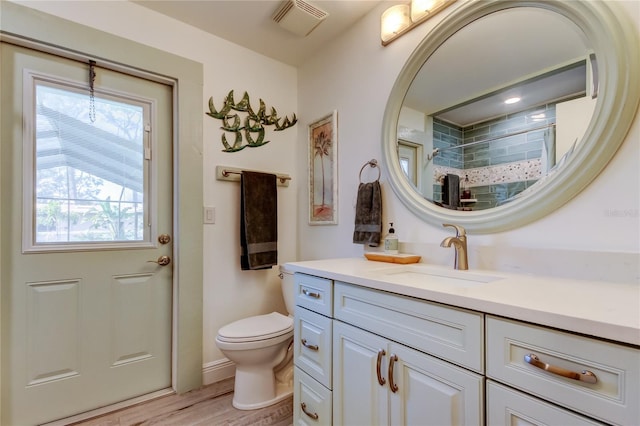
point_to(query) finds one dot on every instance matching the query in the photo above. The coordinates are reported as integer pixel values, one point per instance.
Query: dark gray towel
(368, 214)
(258, 221)
(451, 191)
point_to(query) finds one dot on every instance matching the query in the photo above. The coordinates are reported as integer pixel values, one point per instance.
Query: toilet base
(283, 391)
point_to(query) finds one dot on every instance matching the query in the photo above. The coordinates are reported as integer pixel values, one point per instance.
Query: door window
(408, 154)
(86, 171)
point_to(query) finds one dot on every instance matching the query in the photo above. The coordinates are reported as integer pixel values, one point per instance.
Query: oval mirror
(456, 152)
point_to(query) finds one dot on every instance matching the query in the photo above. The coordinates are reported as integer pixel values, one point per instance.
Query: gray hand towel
(368, 223)
(451, 191)
(258, 221)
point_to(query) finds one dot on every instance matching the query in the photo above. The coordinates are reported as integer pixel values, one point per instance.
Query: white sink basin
(420, 274)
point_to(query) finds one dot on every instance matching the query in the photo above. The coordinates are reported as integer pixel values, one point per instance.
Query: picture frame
(323, 170)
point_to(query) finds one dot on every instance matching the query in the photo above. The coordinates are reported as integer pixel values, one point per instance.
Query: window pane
(90, 179)
(404, 165)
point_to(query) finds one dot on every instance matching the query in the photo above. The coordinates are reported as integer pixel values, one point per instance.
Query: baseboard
(216, 371)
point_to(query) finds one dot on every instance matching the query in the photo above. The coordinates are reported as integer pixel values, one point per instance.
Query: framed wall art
(323, 170)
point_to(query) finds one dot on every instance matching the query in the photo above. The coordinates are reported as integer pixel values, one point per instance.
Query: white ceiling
(498, 51)
(471, 67)
(249, 23)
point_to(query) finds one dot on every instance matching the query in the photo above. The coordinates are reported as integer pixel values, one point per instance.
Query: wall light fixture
(402, 18)
(394, 21)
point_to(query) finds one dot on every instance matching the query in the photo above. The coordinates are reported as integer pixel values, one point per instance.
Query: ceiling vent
(299, 17)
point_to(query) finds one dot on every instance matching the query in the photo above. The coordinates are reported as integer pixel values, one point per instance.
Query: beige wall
(228, 293)
(355, 76)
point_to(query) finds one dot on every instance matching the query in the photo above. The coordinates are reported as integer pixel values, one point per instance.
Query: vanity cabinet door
(508, 407)
(312, 345)
(311, 401)
(379, 382)
(358, 397)
(314, 293)
(596, 378)
(453, 334)
(432, 392)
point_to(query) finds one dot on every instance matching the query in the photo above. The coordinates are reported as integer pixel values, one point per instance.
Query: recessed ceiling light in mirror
(513, 100)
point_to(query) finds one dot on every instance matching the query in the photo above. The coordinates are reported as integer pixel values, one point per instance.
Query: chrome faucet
(460, 244)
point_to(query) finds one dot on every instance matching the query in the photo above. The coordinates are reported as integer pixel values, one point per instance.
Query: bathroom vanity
(378, 343)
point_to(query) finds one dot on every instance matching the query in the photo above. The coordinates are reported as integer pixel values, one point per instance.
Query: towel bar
(233, 174)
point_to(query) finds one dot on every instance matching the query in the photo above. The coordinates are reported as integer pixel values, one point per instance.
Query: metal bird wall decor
(253, 122)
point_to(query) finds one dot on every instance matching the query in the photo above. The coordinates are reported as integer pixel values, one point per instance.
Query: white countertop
(601, 309)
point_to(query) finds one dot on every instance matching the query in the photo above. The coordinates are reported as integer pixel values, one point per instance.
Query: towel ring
(371, 163)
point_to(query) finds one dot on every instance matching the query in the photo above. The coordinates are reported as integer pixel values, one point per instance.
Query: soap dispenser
(391, 241)
(465, 192)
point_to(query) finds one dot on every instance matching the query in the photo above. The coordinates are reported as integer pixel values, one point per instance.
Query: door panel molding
(53, 297)
(132, 333)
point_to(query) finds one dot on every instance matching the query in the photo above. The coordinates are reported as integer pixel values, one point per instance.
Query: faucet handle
(460, 231)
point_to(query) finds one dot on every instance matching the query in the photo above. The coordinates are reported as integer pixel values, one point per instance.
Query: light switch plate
(209, 215)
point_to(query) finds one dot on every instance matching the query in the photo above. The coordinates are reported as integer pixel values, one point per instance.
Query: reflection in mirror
(606, 32)
(497, 107)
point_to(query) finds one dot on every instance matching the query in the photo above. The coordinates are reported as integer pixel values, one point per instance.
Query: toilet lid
(259, 327)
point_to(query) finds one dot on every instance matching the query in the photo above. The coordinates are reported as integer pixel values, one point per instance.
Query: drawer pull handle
(392, 359)
(314, 416)
(310, 293)
(381, 379)
(585, 376)
(309, 346)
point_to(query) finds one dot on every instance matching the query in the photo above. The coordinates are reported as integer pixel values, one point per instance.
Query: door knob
(164, 238)
(162, 261)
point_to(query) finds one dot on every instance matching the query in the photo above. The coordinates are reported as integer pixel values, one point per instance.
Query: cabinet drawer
(312, 344)
(456, 335)
(613, 397)
(506, 407)
(311, 400)
(314, 293)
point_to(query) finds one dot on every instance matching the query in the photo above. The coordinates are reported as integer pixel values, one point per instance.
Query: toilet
(262, 349)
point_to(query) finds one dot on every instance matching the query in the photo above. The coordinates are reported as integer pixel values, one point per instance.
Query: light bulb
(421, 8)
(394, 20)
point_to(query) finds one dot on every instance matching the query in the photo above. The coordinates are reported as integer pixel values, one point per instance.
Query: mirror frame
(612, 35)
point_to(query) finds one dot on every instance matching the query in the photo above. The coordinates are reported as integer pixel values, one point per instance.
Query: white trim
(45, 47)
(216, 371)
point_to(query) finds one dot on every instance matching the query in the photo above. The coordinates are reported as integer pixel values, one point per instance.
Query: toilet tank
(287, 282)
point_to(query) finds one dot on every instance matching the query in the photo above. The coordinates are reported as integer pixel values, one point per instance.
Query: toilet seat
(256, 328)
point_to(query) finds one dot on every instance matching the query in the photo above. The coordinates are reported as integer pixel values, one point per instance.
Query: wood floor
(210, 406)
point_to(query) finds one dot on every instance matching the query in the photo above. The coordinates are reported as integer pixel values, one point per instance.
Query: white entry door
(86, 228)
